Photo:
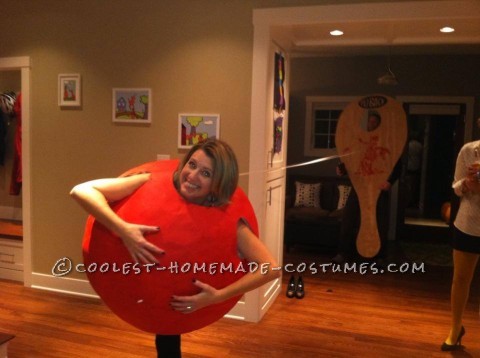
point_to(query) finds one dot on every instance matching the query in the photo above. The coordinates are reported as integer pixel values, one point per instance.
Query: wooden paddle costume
(370, 157)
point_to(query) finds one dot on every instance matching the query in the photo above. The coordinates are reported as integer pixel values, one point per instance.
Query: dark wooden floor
(342, 315)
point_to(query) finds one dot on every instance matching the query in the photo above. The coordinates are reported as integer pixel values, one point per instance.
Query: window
(321, 124)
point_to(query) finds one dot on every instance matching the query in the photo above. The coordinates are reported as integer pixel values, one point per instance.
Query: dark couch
(314, 226)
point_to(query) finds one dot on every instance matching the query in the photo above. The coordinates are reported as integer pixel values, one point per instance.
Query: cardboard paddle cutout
(200, 243)
(370, 157)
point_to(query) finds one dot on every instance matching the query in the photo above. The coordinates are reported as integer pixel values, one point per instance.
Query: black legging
(168, 346)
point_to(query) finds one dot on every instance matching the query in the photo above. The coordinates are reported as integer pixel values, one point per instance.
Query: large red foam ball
(200, 243)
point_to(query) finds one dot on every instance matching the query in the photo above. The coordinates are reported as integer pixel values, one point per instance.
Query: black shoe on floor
(291, 287)
(300, 290)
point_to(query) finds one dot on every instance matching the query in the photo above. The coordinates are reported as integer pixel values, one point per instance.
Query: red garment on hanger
(16, 182)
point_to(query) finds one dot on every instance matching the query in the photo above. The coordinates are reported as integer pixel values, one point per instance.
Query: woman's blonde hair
(225, 169)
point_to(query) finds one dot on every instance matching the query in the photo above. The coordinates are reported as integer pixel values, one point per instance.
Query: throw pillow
(344, 192)
(307, 195)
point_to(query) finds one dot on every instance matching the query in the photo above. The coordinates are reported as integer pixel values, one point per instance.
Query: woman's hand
(188, 304)
(385, 186)
(471, 182)
(141, 250)
(340, 169)
(472, 171)
(471, 185)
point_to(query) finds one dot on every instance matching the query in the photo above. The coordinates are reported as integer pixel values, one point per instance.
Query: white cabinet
(11, 259)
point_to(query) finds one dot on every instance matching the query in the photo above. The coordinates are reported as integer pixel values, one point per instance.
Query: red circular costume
(200, 243)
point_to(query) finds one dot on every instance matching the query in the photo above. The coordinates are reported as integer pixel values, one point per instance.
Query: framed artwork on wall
(278, 103)
(69, 90)
(196, 128)
(132, 105)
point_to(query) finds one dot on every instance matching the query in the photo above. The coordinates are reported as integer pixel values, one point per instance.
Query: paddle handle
(368, 238)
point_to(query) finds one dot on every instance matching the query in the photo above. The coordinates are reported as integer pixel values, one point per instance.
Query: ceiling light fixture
(447, 29)
(389, 78)
(336, 33)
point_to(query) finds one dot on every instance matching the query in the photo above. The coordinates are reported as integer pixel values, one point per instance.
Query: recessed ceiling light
(447, 29)
(336, 33)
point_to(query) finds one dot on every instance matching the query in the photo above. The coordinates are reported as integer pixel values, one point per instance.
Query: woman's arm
(459, 185)
(253, 250)
(465, 179)
(394, 176)
(94, 196)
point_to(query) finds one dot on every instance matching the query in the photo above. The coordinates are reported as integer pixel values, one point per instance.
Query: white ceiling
(375, 36)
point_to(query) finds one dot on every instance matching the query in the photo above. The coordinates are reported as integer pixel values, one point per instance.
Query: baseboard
(238, 311)
(63, 285)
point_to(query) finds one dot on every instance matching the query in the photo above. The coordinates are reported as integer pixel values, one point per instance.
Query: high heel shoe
(457, 345)
(291, 287)
(300, 290)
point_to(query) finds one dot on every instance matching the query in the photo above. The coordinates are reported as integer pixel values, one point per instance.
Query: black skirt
(465, 242)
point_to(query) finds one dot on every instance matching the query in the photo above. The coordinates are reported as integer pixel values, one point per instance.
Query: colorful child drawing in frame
(132, 105)
(196, 128)
(69, 90)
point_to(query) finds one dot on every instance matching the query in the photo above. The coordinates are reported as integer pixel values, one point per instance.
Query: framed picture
(69, 90)
(132, 105)
(196, 128)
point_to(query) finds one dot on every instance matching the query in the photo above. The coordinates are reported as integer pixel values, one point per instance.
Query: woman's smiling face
(196, 178)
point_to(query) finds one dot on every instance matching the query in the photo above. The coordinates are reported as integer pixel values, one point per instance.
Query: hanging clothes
(16, 182)
(3, 136)
(7, 111)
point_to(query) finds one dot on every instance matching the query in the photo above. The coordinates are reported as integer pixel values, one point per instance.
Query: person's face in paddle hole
(372, 123)
(196, 178)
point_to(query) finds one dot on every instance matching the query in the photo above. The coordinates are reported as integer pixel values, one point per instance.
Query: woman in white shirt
(466, 237)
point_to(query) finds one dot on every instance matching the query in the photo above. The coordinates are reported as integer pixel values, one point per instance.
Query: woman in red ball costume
(207, 177)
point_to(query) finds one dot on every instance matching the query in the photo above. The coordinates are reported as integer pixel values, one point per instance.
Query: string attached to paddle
(310, 162)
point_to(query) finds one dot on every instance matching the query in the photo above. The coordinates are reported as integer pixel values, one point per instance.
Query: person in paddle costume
(208, 177)
(351, 214)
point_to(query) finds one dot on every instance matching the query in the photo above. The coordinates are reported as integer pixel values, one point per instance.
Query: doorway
(15, 243)
(282, 26)
(11, 228)
(436, 132)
